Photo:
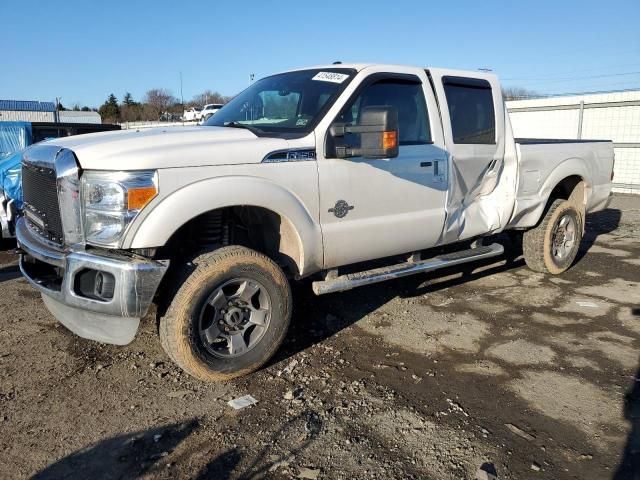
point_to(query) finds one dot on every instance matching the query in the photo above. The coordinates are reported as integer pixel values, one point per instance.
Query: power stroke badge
(341, 209)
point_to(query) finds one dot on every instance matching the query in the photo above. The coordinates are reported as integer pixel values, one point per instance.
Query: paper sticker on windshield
(331, 77)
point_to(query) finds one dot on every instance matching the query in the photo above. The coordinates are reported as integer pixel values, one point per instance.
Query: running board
(376, 275)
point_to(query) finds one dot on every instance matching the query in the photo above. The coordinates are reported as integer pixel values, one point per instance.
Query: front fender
(161, 219)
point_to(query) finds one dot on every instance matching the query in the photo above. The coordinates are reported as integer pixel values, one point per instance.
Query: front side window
(470, 110)
(292, 102)
(406, 96)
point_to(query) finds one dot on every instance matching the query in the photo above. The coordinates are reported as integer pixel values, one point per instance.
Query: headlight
(111, 200)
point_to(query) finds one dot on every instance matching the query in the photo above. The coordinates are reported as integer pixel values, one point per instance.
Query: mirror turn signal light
(139, 197)
(389, 139)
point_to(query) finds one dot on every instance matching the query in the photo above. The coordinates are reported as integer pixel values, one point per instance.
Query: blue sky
(84, 50)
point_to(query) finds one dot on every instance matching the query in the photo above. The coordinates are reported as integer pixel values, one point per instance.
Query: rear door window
(471, 111)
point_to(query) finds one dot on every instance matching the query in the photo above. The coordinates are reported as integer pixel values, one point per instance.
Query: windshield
(290, 102)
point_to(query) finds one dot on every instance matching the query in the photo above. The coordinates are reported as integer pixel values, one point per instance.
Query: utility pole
(56, 117)
(181, 96)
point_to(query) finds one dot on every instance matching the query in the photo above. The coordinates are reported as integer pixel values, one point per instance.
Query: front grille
(42, 211)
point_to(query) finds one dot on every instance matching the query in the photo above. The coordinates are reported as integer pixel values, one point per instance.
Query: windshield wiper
(251, 128)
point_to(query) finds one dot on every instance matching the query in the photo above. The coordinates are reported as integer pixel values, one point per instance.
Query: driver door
(377, 208)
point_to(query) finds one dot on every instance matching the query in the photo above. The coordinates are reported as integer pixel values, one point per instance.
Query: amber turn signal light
(389, 139)
(139, 197)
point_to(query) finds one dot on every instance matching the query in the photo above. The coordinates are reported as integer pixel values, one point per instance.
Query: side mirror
(378, 129)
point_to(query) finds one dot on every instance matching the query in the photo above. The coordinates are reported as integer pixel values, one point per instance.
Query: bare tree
(158, 101)
(131, 113)
(208, 96)
(518, 93)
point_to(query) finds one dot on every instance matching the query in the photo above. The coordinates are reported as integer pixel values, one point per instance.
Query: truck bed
(536, 141)
(545, 162)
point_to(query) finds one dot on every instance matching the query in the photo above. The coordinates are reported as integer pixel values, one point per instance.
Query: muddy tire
(552, 246)
(230, 313)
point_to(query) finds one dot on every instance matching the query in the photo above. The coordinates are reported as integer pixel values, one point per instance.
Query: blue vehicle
(14, 138)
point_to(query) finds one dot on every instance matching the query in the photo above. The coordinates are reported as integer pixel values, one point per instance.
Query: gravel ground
(427, 377)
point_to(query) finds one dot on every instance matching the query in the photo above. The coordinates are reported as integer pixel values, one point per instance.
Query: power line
(554, 75)
(584, 77)
(564, 54)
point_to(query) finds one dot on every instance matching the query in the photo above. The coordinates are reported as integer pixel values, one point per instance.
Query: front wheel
(230, 314)
(552, 246)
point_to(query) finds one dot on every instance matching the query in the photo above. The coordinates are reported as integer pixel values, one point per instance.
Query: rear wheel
(229, 316)
(552, 246)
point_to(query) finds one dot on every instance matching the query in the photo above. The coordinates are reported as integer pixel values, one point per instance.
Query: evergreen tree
(128, 100)
(110, 109)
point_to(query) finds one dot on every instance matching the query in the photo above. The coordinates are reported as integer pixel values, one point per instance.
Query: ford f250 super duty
(307, 173)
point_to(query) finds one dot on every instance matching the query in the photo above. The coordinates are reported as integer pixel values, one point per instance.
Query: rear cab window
(471, 110)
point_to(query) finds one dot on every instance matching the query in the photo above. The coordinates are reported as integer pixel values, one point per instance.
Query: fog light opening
(94, 284)
(105, 285)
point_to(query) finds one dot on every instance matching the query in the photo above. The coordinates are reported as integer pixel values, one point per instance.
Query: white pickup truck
(192, 114)
(209, 109)
(300, 175)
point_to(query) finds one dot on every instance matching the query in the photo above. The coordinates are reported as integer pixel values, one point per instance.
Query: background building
(27, 111)
(610, 116)
(33, 111)
(74, 116)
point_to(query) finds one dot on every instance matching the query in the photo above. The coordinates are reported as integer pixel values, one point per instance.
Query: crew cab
(311, 173)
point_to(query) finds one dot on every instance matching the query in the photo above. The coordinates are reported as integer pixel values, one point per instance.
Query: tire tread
(533, 240)
(172, 331)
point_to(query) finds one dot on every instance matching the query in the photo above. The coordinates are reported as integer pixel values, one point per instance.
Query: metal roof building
(27, 111)
(73, 116)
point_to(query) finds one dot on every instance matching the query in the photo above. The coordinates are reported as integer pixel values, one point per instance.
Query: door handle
(437, 174)
(433, 163)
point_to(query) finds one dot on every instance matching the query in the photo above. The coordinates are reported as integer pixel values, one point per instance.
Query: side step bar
(376, 275)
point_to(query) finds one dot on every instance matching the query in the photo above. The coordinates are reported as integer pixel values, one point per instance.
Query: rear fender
(529, 209)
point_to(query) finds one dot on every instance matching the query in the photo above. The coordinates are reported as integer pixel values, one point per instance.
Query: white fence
(611, 116)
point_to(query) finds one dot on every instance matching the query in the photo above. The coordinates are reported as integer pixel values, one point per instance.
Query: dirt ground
(430, 377)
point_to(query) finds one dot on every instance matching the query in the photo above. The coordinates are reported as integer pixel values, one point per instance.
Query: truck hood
(168, 147)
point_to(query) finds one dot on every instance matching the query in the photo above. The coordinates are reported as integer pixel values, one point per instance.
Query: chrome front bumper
(56, 273)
